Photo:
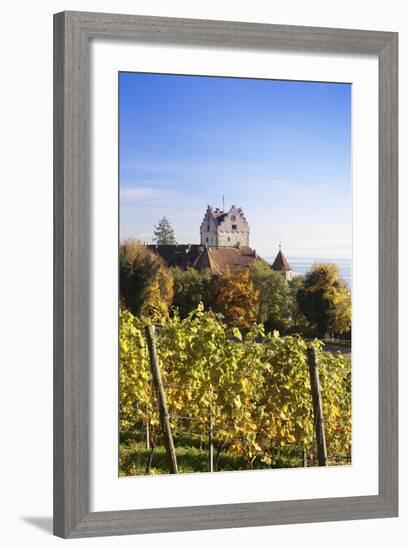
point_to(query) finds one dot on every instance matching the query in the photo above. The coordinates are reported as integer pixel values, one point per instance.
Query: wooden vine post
(161, 397)
(317, 406)
(210, 447)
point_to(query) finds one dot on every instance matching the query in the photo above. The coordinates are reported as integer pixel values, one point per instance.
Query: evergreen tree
(164, 233)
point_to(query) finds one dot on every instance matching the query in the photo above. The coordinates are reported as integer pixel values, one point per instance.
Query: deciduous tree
(145, 281)
(275, 300)
(159, 294)
(236, 298)
(191, 287)
(325, 300)
(299, 324)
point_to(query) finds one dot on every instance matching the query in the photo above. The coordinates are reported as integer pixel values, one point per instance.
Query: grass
(190, 457)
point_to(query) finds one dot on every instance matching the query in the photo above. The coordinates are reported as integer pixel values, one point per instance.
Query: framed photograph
(225, 288)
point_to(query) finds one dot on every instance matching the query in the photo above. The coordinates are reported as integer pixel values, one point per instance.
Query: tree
(145, 281)
(299, 323)
(191, 287)
(164, 233)
(236, 298)
(325, 300)
(159, 294)
(275, 300)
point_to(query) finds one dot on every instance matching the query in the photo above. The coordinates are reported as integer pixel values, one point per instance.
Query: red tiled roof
(281, 263)
(232, 258)
(200, 257)
(181, 255)
(206, 261)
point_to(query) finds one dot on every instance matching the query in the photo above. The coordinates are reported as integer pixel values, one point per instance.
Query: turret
(281, 265)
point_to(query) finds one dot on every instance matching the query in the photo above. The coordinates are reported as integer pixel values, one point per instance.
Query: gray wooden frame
(72, 34)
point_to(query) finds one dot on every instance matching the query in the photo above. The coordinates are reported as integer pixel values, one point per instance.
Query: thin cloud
(139, 193)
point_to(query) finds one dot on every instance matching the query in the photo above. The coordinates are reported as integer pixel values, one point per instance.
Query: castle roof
(219, 215)
(281, 263)
(177, 255)
(233, 258)
(206, 260)
(201, 257)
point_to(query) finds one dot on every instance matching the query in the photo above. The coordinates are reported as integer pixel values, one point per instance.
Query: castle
(224, 244)
(220, 228)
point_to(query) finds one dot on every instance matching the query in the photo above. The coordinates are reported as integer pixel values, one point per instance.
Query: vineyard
(236, 400)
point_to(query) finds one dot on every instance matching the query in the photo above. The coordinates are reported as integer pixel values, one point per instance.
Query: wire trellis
(307, 456)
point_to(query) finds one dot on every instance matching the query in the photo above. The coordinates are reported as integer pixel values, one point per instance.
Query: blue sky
(281, 150)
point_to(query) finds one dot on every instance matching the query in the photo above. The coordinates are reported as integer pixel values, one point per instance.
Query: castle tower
(220, 228)
(281, 265)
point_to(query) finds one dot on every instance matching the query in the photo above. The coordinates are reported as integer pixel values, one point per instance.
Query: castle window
(206, 239)
(208, 227)
(234, 226)
(229, 239)
(233, 218)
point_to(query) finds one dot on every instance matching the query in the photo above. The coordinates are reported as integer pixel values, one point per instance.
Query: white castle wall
(231, 231)
(233, 238)
(208, 230)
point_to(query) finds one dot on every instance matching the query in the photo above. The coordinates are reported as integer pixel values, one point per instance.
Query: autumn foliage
(316, 305)
(223, 362)
(146, 284)
(325, 300)
(256, 395)
(236, 298)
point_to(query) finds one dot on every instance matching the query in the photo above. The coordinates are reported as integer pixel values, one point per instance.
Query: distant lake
(301, 265)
